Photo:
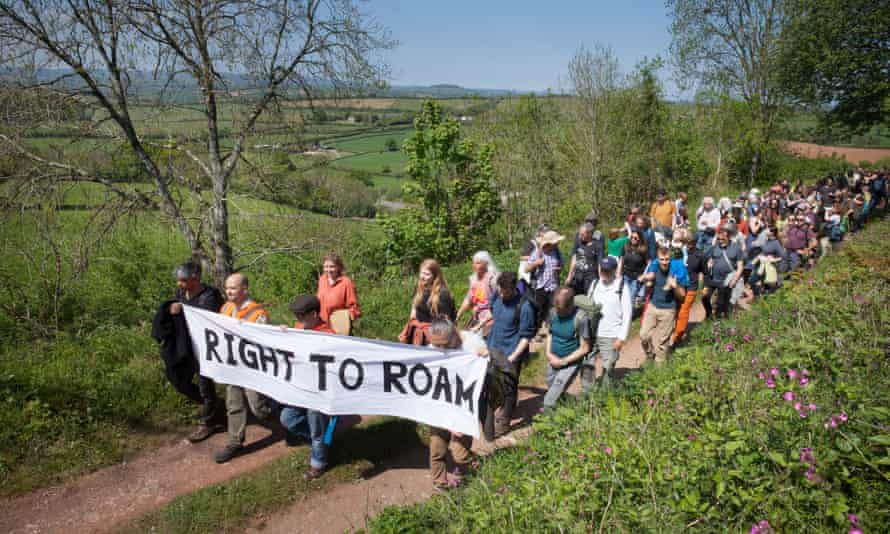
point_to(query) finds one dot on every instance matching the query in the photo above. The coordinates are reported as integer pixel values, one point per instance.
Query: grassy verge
(230, 505)
(708, 443)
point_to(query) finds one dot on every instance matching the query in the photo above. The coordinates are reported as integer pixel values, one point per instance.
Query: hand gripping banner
(340, 375)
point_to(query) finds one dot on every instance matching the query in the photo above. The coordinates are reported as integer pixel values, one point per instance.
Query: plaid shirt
(547, 275)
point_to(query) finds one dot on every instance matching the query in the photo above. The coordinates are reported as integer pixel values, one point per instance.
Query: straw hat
(551, 238)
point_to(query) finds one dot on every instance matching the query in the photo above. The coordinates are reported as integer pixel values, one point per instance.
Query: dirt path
(853, 155)
(116, 495)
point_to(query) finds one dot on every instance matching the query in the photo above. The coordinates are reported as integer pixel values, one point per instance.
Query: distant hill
(183, 87)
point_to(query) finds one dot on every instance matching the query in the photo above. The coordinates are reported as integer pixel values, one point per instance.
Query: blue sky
(520, 45)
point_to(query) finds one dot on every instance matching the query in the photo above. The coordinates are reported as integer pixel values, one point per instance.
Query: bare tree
(275, 48)
(732, 46)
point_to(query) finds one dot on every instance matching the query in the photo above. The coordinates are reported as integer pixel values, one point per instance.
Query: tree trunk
(755, 166)
(219, 232)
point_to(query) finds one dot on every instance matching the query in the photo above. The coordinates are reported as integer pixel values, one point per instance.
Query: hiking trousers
(440, 441)
(238, 401)
(605, 349)
(181, 377)
(683, 314)
(655, 332)
(558, 380)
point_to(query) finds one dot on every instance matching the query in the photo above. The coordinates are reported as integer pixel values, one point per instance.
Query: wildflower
(855, 530)
(811, 407)
(798, 406)
(843, 417)
(804, 372)
(761, 527)
(582, 457)
(788, 396)
(774, 372)
(802, 414)
(804, 381)
(770, 383)
(607, 449)
(854, 519)
(691, 437)
(832, 423)
(746, 338)
(730, 348)
(792, 374)
(760, 375)
(858, 299)
(812, 475)
(650, 402)
(596, 475)
(806, 456)
(732, 331)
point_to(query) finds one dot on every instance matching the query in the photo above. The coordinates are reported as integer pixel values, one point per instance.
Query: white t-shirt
(617, 312)
(709, 219)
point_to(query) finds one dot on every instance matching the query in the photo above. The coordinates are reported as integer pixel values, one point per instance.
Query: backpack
(835, 232)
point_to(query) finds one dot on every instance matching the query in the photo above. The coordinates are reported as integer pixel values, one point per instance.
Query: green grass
(374, 162)
(702, 442)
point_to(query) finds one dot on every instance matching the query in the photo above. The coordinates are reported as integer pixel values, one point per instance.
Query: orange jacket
(250, 313)
(341, 295)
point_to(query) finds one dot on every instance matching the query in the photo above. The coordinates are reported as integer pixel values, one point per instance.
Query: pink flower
(854, 519)
(843, 417)
(760, 375)
(792, 374)
(607, 449)
(811, 407)
(650, 402)
(730, 348)
(802, 414)
(806, 456)
(832, 423)
(596, 475)
(788, 396)
(746, 338)
(804, 381)
(804, 372)
(691, 437)
(774, 371)
(812, 475)
(770, 383)
(761, 527)
(798, 406)
(855, 530)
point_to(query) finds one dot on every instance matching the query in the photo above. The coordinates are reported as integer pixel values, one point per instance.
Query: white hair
(483, 255)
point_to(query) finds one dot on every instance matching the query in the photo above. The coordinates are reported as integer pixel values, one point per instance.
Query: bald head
(564, 301)
(236, 288)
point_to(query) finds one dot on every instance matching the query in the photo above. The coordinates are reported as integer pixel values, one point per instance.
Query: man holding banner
(238, 399)
(303, 422)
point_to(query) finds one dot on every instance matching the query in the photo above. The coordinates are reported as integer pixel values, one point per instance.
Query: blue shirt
(661, 299)
(508, 327)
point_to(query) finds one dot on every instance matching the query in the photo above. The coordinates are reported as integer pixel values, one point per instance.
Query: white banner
(341, 375)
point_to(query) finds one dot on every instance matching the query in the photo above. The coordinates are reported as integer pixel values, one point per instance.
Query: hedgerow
(777, 420)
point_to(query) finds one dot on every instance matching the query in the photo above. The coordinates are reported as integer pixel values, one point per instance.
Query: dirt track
(853, 155)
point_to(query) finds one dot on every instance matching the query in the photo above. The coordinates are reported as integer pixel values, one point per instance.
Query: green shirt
(563, 340)
(616, 246)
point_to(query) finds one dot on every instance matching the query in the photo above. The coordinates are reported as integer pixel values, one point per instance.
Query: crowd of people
(653, 266)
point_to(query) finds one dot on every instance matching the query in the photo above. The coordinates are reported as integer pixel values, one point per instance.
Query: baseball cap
(608, 263)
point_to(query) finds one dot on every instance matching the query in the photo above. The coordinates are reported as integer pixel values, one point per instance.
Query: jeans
(606, 349)
(637, 290)
(558, 380)
(309, 424)
(704, 239)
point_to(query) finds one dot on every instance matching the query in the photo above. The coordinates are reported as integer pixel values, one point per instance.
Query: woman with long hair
(432, 299)
(480, 291)
(335, 292)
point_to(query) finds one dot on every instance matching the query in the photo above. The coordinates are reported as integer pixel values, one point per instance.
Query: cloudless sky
(521, 44)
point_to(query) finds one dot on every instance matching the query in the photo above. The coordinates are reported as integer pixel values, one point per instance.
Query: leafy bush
(779, 416)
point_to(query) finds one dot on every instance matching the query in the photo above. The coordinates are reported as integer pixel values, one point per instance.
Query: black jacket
(172, 332)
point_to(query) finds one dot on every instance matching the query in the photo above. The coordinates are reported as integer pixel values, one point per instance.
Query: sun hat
(551, 238)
